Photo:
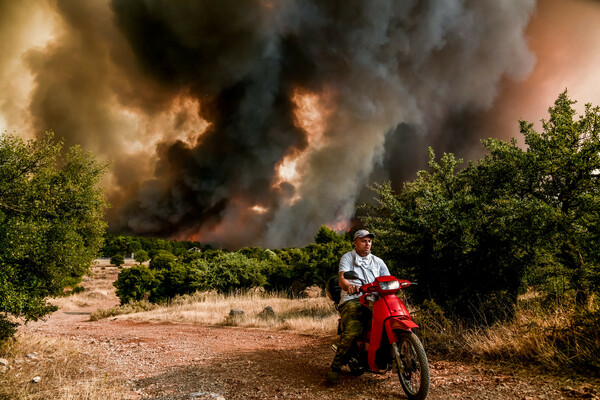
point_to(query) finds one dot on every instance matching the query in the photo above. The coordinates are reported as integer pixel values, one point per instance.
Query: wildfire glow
(287, 169)
(340, 226)
(310, 115)
(259, 209)
(181, 122)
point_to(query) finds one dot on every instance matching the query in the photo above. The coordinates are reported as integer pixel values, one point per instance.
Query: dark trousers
(354, 317)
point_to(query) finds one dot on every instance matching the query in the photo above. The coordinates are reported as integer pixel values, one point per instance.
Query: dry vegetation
(67, 372)
(98, 286)
(308, 315)
(47, 368)
(557, 337)
(541, 334)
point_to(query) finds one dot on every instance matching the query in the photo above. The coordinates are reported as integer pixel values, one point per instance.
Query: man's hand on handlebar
(353, 289)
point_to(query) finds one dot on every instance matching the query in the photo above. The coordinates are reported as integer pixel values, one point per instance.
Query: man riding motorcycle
(353, 315)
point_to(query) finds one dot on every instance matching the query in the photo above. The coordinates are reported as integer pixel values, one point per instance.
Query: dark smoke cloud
(387, 62)
(229, 57)
(401, 67)
(193, 101)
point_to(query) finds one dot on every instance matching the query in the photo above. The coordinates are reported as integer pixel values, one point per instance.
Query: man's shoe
(333, 375)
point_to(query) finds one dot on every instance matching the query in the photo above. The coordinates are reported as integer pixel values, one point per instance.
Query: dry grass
(310, 315)
(66, 372)
(99, 290)
(129, 308)
(84, 299)
(556, 337)
(524, 337)
(539, 334)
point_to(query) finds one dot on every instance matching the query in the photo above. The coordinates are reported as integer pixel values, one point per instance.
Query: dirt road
(175, 361)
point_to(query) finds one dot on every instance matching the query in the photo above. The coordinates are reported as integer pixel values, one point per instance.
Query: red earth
(181, 361)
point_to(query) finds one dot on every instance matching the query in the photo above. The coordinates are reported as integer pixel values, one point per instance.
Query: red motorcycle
(387, 342)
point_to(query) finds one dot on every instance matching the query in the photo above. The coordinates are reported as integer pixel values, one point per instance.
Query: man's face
(362, 246)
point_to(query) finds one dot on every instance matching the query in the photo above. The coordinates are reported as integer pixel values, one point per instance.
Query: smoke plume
(254, 122)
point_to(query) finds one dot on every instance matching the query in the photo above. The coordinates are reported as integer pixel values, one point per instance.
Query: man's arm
(384, 269)
(346, 285)
(346, 265)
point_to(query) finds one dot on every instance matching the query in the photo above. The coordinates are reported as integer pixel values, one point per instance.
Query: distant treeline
(180, 267)
(128, 245)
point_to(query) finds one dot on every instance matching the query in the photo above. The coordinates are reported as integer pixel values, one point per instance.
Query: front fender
(403, 324)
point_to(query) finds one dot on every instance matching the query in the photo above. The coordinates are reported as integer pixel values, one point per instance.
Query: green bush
(117, 260)
(51, 223)
(476, 237)
(280, 275)
(141, 256)
(7, 329)
(171, 281)
(135, 283)
(227, 272)
(162, 260)
(188, 256)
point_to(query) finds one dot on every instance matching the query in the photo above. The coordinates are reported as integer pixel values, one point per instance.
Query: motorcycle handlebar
(354, 275)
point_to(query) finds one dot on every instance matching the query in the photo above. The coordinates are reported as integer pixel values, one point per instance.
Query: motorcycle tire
(411, 365)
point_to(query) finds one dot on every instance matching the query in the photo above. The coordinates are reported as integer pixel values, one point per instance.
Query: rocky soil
(176, 361)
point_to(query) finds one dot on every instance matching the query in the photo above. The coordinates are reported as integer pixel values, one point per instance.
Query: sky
(254, 122)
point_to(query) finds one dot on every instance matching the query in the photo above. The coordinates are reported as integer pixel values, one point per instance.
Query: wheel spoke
(412, 368)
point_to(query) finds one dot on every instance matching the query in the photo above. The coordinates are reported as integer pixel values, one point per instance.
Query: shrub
(227, 272)
(51, 224)
(162, 260)
(141, 256)
(135, 283)
(117, 260)
(170, 282)
(7, 329)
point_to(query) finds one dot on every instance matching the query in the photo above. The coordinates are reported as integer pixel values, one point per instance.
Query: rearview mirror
(351, 275)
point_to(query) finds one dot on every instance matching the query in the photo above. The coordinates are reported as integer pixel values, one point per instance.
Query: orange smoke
(565, 37)
(340, 226)
(310, 115)
(180, 121)
(236, 224)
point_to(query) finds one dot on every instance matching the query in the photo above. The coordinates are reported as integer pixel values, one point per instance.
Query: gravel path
(177, 361)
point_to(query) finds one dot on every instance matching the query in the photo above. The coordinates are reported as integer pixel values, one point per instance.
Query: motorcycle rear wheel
(411, 365)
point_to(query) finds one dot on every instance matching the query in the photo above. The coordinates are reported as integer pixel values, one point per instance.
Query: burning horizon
(254, 122)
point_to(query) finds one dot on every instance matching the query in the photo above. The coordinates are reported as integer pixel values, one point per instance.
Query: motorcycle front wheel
(411, 365)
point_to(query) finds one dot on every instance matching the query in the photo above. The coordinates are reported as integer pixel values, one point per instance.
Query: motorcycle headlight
(390, 285)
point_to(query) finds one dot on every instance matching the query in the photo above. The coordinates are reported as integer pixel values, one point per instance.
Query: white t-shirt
(367, 268)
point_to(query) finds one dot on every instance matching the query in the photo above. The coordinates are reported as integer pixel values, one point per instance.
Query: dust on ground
(183, 361)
